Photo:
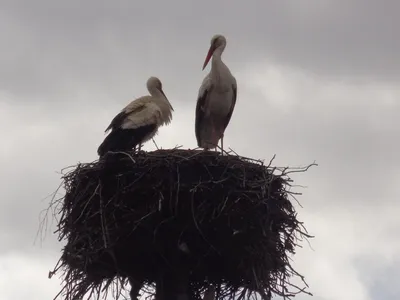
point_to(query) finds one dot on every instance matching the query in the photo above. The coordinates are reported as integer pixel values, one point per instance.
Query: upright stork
(139, 121)
(217, 98)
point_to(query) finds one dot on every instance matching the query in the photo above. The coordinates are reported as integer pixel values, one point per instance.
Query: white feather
(205, 85)
(142, 112)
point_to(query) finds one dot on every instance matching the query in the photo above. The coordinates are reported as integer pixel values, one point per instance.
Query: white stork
(139, 121)
(216, 99)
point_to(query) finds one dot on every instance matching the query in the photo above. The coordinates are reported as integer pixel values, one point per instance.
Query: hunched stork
(139, 121)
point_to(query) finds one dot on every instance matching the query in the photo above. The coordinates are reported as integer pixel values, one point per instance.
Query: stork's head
(153, 83)
(154, 86)
(218, 41)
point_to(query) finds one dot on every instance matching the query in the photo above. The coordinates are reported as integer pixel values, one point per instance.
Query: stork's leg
(214, 134)
(140, 147)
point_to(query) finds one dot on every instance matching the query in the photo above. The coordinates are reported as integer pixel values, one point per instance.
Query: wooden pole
(173, 286)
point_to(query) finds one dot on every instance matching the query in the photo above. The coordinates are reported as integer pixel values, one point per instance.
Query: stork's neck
(164, 104)
(218, 68)
(158, 97)
(156, 93)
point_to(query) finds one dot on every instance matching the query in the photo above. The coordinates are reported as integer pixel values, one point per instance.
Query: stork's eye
(215, 42)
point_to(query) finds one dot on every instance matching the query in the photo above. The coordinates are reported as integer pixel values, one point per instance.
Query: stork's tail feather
(117, 140)
(125, 139)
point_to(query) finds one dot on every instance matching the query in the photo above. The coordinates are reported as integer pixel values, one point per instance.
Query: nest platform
(219, 219)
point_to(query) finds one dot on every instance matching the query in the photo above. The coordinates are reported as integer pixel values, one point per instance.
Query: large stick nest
(221, 219)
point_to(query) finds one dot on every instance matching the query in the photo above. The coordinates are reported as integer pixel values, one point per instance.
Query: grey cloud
(357, 162)
(56, 49)
(66, 69)
(385, 285)
(32, 282)
(381, 277)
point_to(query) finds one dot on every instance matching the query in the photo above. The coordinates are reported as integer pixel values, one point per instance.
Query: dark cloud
(57, 49)
(317, 81)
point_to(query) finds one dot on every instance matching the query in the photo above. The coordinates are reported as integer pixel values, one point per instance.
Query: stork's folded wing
(145, 114)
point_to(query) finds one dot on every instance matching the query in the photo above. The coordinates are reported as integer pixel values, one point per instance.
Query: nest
(218, 219)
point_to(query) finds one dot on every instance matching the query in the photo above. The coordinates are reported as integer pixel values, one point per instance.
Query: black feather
(228, 117)
(119, 119)
(200, 107)
(124, 139)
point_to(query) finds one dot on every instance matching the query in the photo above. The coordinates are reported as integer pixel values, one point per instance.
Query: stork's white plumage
(216, 100)
(139, 121)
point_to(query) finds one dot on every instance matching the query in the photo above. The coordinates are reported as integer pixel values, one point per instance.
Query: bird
(216, 98)
(139, 121)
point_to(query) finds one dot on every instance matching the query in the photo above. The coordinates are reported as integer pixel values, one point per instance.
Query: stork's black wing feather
(119, 118)
(228, 117)
(117, 121)
(200, 110)
(125, 139)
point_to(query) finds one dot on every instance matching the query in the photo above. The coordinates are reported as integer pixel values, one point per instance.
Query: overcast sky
(317, 80)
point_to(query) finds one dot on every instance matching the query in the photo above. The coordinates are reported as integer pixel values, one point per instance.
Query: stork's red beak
(209, 54)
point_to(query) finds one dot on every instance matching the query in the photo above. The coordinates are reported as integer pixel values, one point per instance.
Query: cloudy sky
(317, 80)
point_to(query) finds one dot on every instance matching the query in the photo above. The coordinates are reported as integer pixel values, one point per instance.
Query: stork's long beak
(209, 54)
(162, 92)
